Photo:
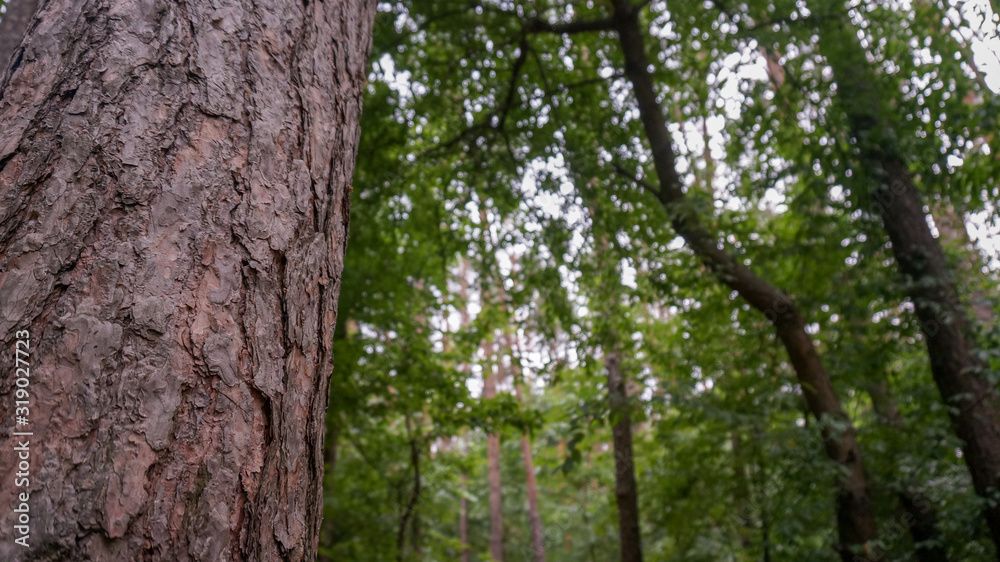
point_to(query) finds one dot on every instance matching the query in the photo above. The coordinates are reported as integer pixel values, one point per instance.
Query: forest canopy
(671, 281)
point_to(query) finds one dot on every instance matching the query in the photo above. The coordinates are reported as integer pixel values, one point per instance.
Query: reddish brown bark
(626, 491)
(463, 521)
(174, 181)
(534, 516)
(493, 462)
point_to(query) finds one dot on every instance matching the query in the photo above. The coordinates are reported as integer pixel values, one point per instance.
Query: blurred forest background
(699, 281)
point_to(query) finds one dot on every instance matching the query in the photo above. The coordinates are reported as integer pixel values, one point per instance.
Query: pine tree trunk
(534, 516)
(973, 405)
(626, 493)
(13, 26)
(174, 179)
(463, 521)
(855, 517)
(493, 465)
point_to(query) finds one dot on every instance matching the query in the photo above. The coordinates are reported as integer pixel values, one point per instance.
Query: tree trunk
(463, 516)
(973, 405)
(174, 179)
(855, 519)
(626, 493)
(534, 516)
(13, 26)
(463, 520)
(493, 461)
(331, 440)
(409, 510)
(924, 528)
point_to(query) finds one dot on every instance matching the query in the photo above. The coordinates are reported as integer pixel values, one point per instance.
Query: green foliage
(500, 177)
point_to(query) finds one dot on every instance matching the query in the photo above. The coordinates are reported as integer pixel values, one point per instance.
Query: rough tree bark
(855, 518)
(331, 440)
(13, 26)
(973, 404)
(174, 181)
(626, 492)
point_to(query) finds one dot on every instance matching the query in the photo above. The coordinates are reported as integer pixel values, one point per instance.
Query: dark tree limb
(538, 25)
(856, 520)
(414, 494)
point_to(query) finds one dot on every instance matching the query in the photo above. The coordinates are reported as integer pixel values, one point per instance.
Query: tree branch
(537, 25)
(638, 181)
(500, 114)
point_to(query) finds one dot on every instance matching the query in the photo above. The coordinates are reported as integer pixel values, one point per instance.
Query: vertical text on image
(21, 434)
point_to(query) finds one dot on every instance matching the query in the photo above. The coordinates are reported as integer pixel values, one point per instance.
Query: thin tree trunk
(973, 405)
(411, 503)
(496, 498)
(855, 519)
(174, 181)
(463, 521)
(626, 493)
(416, 536)
(13, 27)
(493, 462)
(924, 518)
(534, 516)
